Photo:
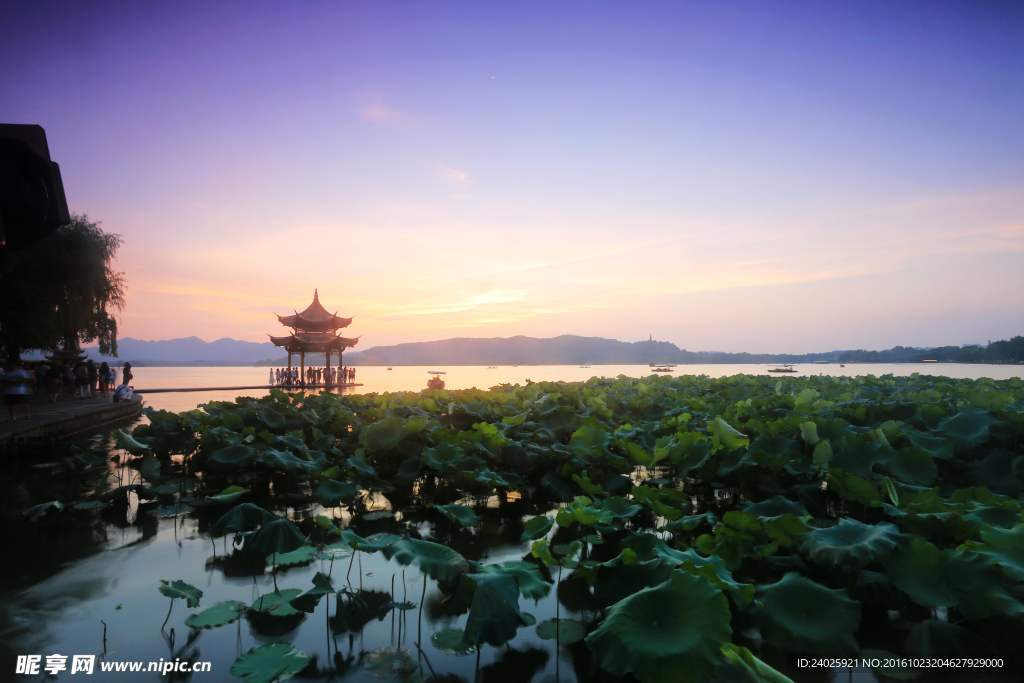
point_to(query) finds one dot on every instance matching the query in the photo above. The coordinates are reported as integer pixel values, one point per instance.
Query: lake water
(414, 378)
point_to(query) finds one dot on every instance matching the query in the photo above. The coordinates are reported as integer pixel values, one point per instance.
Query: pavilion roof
(313, 342)
(315, 318)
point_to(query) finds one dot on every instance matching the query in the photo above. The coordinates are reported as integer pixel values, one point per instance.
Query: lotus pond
(659, 529)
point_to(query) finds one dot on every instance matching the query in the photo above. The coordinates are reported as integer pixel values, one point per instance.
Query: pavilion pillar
(327, 370)
(341, 363)
(288, 378)
(302, 367)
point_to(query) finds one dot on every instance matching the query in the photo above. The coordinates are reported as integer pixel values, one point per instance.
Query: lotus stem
(274, 570)
(424, 654)
(168, 615)
(419, 620)
(349, 572)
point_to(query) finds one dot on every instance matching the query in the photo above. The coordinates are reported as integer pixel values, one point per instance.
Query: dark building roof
(315, 318)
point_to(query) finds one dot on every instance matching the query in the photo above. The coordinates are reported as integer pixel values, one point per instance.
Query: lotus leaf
(494, 613)
(620, 507)
(556, 486)
(617, 580)
(330, 493)
(270, 663)
(690, 522)
(244, 517)
(279, 536)
(286, 462)
(750, 667)
(727, 435)
(442, 456)
(531, 583)
(583, 511)
(934, 578)
(172, 511)
(673, 631)
(217, 615)
(269, 416)
(149, 468)
(354, 613)
(436, 561)
(383, 435)
(278, 603)
(228, 495)
(538, 527)
(933, 638)
(234, 457)
(799, 615)
(303, 555)
(1005, 547)
(130, 444)
(308, 601)
(566, 631)
(180, 589)
(462, 514)
(776, 507)
(35, 512)
(452, 642)
(385, 662)
(968, 428)
(852, 543)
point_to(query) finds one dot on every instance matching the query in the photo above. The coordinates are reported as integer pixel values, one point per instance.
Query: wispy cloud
(378, 113)
(454, 174)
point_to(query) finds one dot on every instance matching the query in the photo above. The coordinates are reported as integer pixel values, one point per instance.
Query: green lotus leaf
(799, 615)
(385, 662)
(228, 495)
(933, 446)
(270, 663)
(308, 601)
(130, 444)
(217, 615)
(671, 632)
(149, 468)
(933, 638)
(441, 456)
(556, 486)
(776, 506)
(983, 517)
(180, 589)
(859, 457)
(589, 487)
(286, 461)
(566, 631)
(462, 514)
(968, 428)
(303, 555)
(934, 578)
(538, 527)
(750, 668)
(854, 487)
(1005, 547)
(436, 561)
(330, 493)
(851, 543)
(231, 458)
(367, 545)
(278, 603)
(727, 435)
(690, 522)
(542, 551)
(89, 505)
(494, 613)
(35, 512)
(335, 551)
(289, 442)
(279, 536)
(583, 511)
(452, 642)
(617, 580)
(269, 416)
(531, 582)
(620, 507)
(774, 452)
(383, 435)
(241, 518)
(913, 466)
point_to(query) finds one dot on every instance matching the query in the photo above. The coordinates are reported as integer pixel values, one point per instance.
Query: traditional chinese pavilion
(314, 331)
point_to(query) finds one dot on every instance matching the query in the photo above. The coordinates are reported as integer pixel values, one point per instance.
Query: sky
(728, 176)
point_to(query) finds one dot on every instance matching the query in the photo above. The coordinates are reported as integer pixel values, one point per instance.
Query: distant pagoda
(314, 331)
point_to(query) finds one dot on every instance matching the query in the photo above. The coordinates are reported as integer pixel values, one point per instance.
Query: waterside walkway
(283, 387)
(50, 422)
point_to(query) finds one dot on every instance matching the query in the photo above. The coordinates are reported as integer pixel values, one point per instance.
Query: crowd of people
(280, 376)
(83, 379)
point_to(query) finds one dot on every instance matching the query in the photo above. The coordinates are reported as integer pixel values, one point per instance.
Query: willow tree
(63, 291)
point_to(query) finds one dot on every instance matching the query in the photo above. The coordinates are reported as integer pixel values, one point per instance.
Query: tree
(62, 291)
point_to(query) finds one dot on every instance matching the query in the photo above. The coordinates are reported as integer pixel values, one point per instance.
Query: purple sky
(724, 176)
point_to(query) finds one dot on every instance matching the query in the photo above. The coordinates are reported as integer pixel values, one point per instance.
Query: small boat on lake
(662, 370)
(785, 367)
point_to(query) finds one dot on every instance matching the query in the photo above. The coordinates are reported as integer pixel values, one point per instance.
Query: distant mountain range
(563, 350)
